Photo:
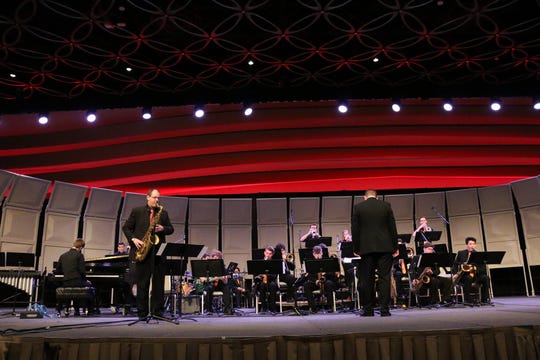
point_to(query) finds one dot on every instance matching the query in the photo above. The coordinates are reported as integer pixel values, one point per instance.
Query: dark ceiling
(74, 54)
(64, 57)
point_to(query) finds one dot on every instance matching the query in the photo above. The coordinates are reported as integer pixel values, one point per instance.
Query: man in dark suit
(374, 236)
(71, 265)
(148, 220)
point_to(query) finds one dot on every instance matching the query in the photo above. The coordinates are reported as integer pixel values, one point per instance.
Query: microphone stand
(440, 215)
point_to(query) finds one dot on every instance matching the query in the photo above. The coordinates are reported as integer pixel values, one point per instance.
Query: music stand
(208, 268)
(314, 266)
(176, 255)
(433, 260)
(486, 258)
(326, 240)
(347, 249)
(422, 237)
(257, 254)
(2, 259)
(406, 238)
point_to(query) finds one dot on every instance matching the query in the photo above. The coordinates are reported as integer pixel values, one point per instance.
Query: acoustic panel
(178, 235)
(405, 226)
(19, 229)
(6, 179)
(272, 211)
(463, 226)
(526, 192)
(271, 235)
(501, 235)
(131, 200)
(305, 210)
(530, 218)
(204, 211)
(50, 255)
(103, 203)
(236, 211)
(495, 198)
(27, 192)
(204, 235)
(99, 233)
(176, 207)
(462, 202)
(336, 209)
(239, 258)
(67, 198)
(402, 205)
(500, 227)
(236, 238)
(335, 231)
(512, 257)
(59, 229)
(425, 204)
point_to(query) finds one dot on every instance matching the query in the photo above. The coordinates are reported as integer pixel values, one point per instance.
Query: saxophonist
(325, 282)
(146, 228)
(476, 275)
(430, 278)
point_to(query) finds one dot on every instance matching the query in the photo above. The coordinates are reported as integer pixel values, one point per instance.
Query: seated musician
(71, 264)
(238, 289)
(347, 252)
(288, 271)
(218, 284)
(434, 282)
(400, 278)
(326, 282)
(474, 276)
(266, 285)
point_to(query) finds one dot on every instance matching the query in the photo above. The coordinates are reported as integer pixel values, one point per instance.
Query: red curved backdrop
(283, 147)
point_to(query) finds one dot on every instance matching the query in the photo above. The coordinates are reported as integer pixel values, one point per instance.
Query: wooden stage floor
(508, 330)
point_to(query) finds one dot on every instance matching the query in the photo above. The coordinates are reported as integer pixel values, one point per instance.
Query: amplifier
(191, 304)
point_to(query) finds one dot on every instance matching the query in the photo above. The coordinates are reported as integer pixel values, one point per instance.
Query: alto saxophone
(150, 238)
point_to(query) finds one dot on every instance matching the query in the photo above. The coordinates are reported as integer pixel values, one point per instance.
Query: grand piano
(105, 274)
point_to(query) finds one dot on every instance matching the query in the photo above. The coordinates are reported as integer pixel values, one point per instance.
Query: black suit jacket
(138, 222)
(373, 227)
(71, 265)
(461, 258)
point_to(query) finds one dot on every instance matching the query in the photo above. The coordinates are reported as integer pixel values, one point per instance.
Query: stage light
(248, 110)
(448, 106)
(396, 106)
(343, 107)
(536, 104)
(91, 116)
(43, 119)
(147, 113)
(495, 105)
(199, 112)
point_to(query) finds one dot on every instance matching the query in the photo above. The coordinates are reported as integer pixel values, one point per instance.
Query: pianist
(71, 265)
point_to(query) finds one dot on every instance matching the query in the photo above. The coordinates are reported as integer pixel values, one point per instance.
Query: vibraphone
(22, 280)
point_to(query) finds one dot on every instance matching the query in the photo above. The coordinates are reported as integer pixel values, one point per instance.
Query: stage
(510, 329)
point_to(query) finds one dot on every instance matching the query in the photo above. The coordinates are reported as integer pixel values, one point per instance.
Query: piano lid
(109, 259)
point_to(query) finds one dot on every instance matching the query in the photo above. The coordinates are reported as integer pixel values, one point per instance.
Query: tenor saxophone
(150, 238)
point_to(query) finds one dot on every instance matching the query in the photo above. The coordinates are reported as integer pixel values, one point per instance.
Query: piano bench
(79, 295)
